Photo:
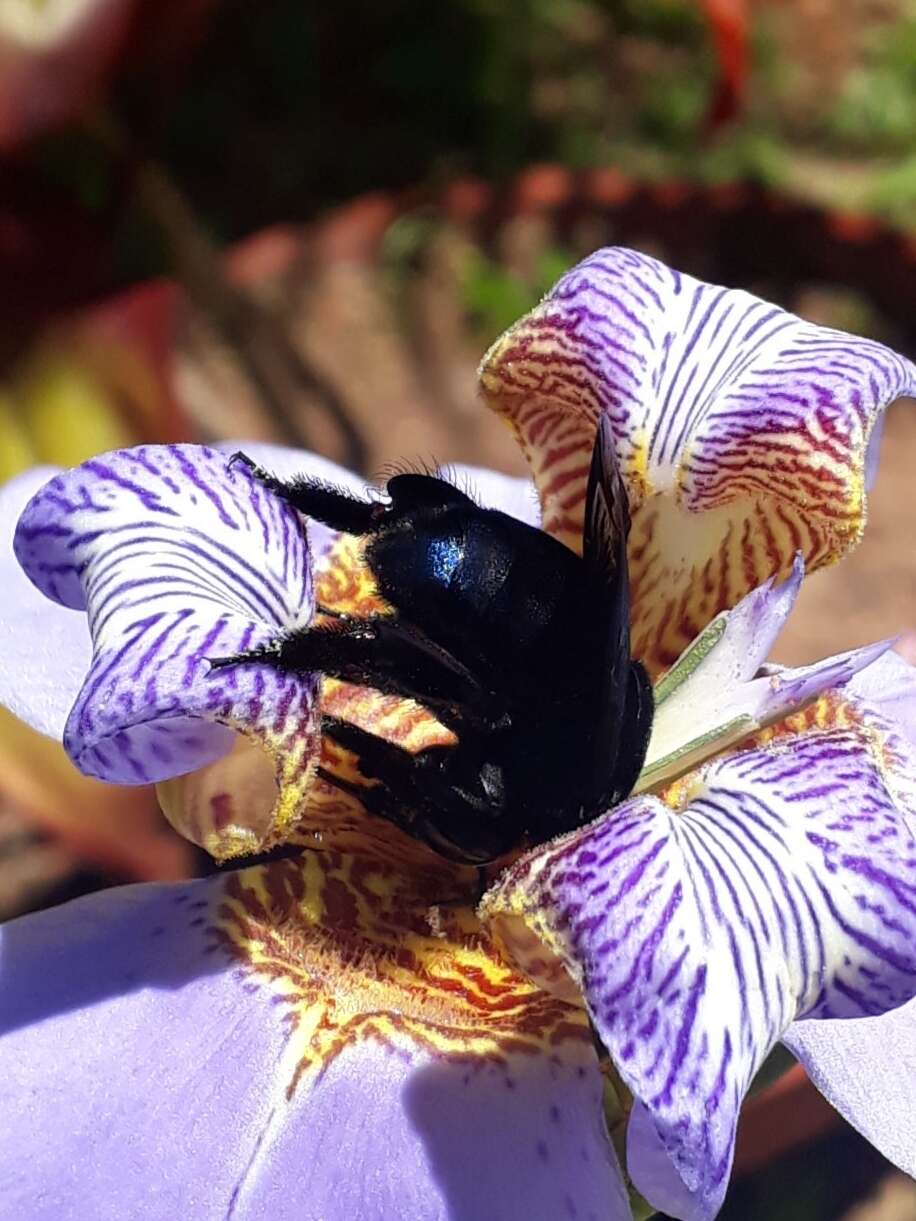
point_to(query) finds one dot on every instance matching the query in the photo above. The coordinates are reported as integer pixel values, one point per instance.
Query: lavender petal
(145, 1072)
(866, 1067)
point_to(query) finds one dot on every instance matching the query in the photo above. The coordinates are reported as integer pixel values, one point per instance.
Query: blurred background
(306, 223)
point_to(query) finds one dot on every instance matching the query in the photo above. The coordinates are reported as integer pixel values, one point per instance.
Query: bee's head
(412, 492)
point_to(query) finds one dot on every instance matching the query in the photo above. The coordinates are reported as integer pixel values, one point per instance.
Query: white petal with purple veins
(745, 434)
(782, 886)
(177, 558)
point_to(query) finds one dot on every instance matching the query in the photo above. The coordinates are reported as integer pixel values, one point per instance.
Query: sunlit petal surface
(744, 432)
(776, 883)
(224, 1048)
(178, 558)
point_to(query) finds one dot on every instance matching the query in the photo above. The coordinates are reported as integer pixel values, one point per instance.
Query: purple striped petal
(177, 557)
(774, 884)
(151, 1065)
(286, 463)
(719, 691)
(745, 434)
(45, 649)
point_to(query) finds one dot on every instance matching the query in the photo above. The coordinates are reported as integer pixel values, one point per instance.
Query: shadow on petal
(522, 1139)
(108, 945)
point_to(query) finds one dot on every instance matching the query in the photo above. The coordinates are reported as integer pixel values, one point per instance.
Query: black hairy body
(514, 642)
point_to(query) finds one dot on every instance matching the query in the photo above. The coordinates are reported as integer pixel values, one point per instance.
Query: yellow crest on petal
(355, 949)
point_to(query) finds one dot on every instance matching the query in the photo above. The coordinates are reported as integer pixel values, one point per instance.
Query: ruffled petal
(45, 651)
(178, 557)
(745, 434)
(301, 1041)
(774, 884)
(45, 648)
(719, 690)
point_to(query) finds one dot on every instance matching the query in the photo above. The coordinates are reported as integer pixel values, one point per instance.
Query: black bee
(514, 642)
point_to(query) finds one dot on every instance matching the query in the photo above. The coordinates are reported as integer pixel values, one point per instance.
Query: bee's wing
(604, 550)
(607, 524)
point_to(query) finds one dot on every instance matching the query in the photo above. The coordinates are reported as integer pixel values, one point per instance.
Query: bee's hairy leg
(315, 498)
(402, 793)
(393, 796)
(417, 792)
(379, 652)
(379, 759)
(377, 798)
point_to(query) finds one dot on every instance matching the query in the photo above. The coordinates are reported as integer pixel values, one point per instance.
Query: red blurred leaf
(728, 20)
(784, 1116)
(57, 57)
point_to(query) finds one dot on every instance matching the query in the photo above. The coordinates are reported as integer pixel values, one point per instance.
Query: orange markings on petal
(345, 585)
(729, 510)
(344, 582)
(355, 949)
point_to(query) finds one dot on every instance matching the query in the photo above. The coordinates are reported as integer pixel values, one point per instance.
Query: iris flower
(346, 1033)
